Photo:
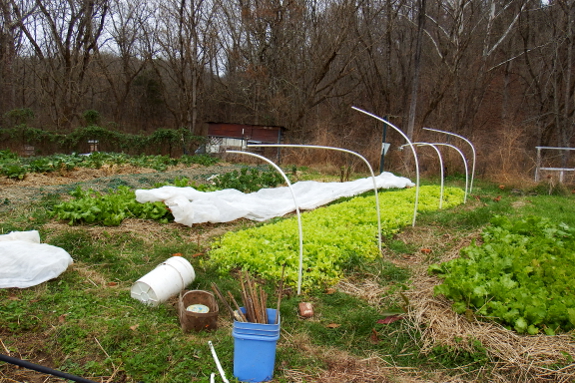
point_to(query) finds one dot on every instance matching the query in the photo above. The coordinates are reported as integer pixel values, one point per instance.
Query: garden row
(16, 167)
(110, 209)
(521, 275)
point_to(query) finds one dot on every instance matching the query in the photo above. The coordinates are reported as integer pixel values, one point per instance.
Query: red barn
(222, 136)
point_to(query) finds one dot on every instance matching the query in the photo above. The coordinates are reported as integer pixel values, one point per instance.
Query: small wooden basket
(198, 321)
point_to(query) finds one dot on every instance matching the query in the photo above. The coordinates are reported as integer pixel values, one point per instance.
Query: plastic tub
(255, 349)
(167, 280)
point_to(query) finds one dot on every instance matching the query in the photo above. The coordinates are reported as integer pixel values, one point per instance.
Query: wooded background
(500, 73)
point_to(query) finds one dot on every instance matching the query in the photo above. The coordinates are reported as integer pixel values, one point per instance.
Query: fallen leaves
(390, 319)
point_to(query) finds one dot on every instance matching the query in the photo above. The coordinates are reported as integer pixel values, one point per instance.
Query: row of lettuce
(335, 238)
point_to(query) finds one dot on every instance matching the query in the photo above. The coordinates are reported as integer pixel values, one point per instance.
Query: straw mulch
(342, 367)
(515, 358)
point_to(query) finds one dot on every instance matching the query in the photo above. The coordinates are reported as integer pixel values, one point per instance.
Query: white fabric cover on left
(25, 262)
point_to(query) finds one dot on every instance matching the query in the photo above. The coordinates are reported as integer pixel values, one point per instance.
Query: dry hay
(151, 232)
(368, 289)
(515, 357)
(341, 367)
(148, 231)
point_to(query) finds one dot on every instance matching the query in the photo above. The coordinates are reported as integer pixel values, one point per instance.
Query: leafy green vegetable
(249, 180)
(333, 237)
(522, 275)
(14, 170)
(108, 209)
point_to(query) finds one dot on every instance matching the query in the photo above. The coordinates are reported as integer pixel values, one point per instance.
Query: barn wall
(264, 134)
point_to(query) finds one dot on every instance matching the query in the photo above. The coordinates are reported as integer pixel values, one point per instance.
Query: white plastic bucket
(166, 280)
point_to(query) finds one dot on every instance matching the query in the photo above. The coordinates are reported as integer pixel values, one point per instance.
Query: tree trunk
(416, 68)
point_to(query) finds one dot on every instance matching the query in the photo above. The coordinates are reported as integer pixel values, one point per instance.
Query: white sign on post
(385, 147)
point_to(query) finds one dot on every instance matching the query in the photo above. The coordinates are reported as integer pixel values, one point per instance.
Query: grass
(88, 324)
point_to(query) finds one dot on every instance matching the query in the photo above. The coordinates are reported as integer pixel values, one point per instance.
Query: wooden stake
(248, 303)
(221, 297)
(264, 306)
(240, 314)
(253, 299)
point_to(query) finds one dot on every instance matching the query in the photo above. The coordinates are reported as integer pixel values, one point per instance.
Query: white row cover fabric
(25, 262)
(190, 206)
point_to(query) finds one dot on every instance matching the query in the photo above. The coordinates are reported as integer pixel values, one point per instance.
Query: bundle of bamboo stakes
(254, 300)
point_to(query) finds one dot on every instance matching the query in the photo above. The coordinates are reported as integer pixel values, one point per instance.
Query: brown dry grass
(342, 367)
(506, 154)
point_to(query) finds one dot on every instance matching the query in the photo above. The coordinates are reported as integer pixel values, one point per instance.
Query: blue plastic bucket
(255, 349)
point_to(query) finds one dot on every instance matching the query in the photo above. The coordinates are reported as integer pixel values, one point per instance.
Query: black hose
(45, 370)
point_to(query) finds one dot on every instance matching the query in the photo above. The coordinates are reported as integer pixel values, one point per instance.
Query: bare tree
(466, 37)
(124, 56)
(547, 34)
(8, 42)
(380, 61)
(416, 67)
(63, 36)
(188, 40)
(11, 18)
(288, 58)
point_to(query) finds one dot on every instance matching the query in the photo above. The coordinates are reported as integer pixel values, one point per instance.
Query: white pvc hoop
(464, 163)
(472, 149)
(345, 151)
(440, 167)
(412, 150)
(300, 231)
